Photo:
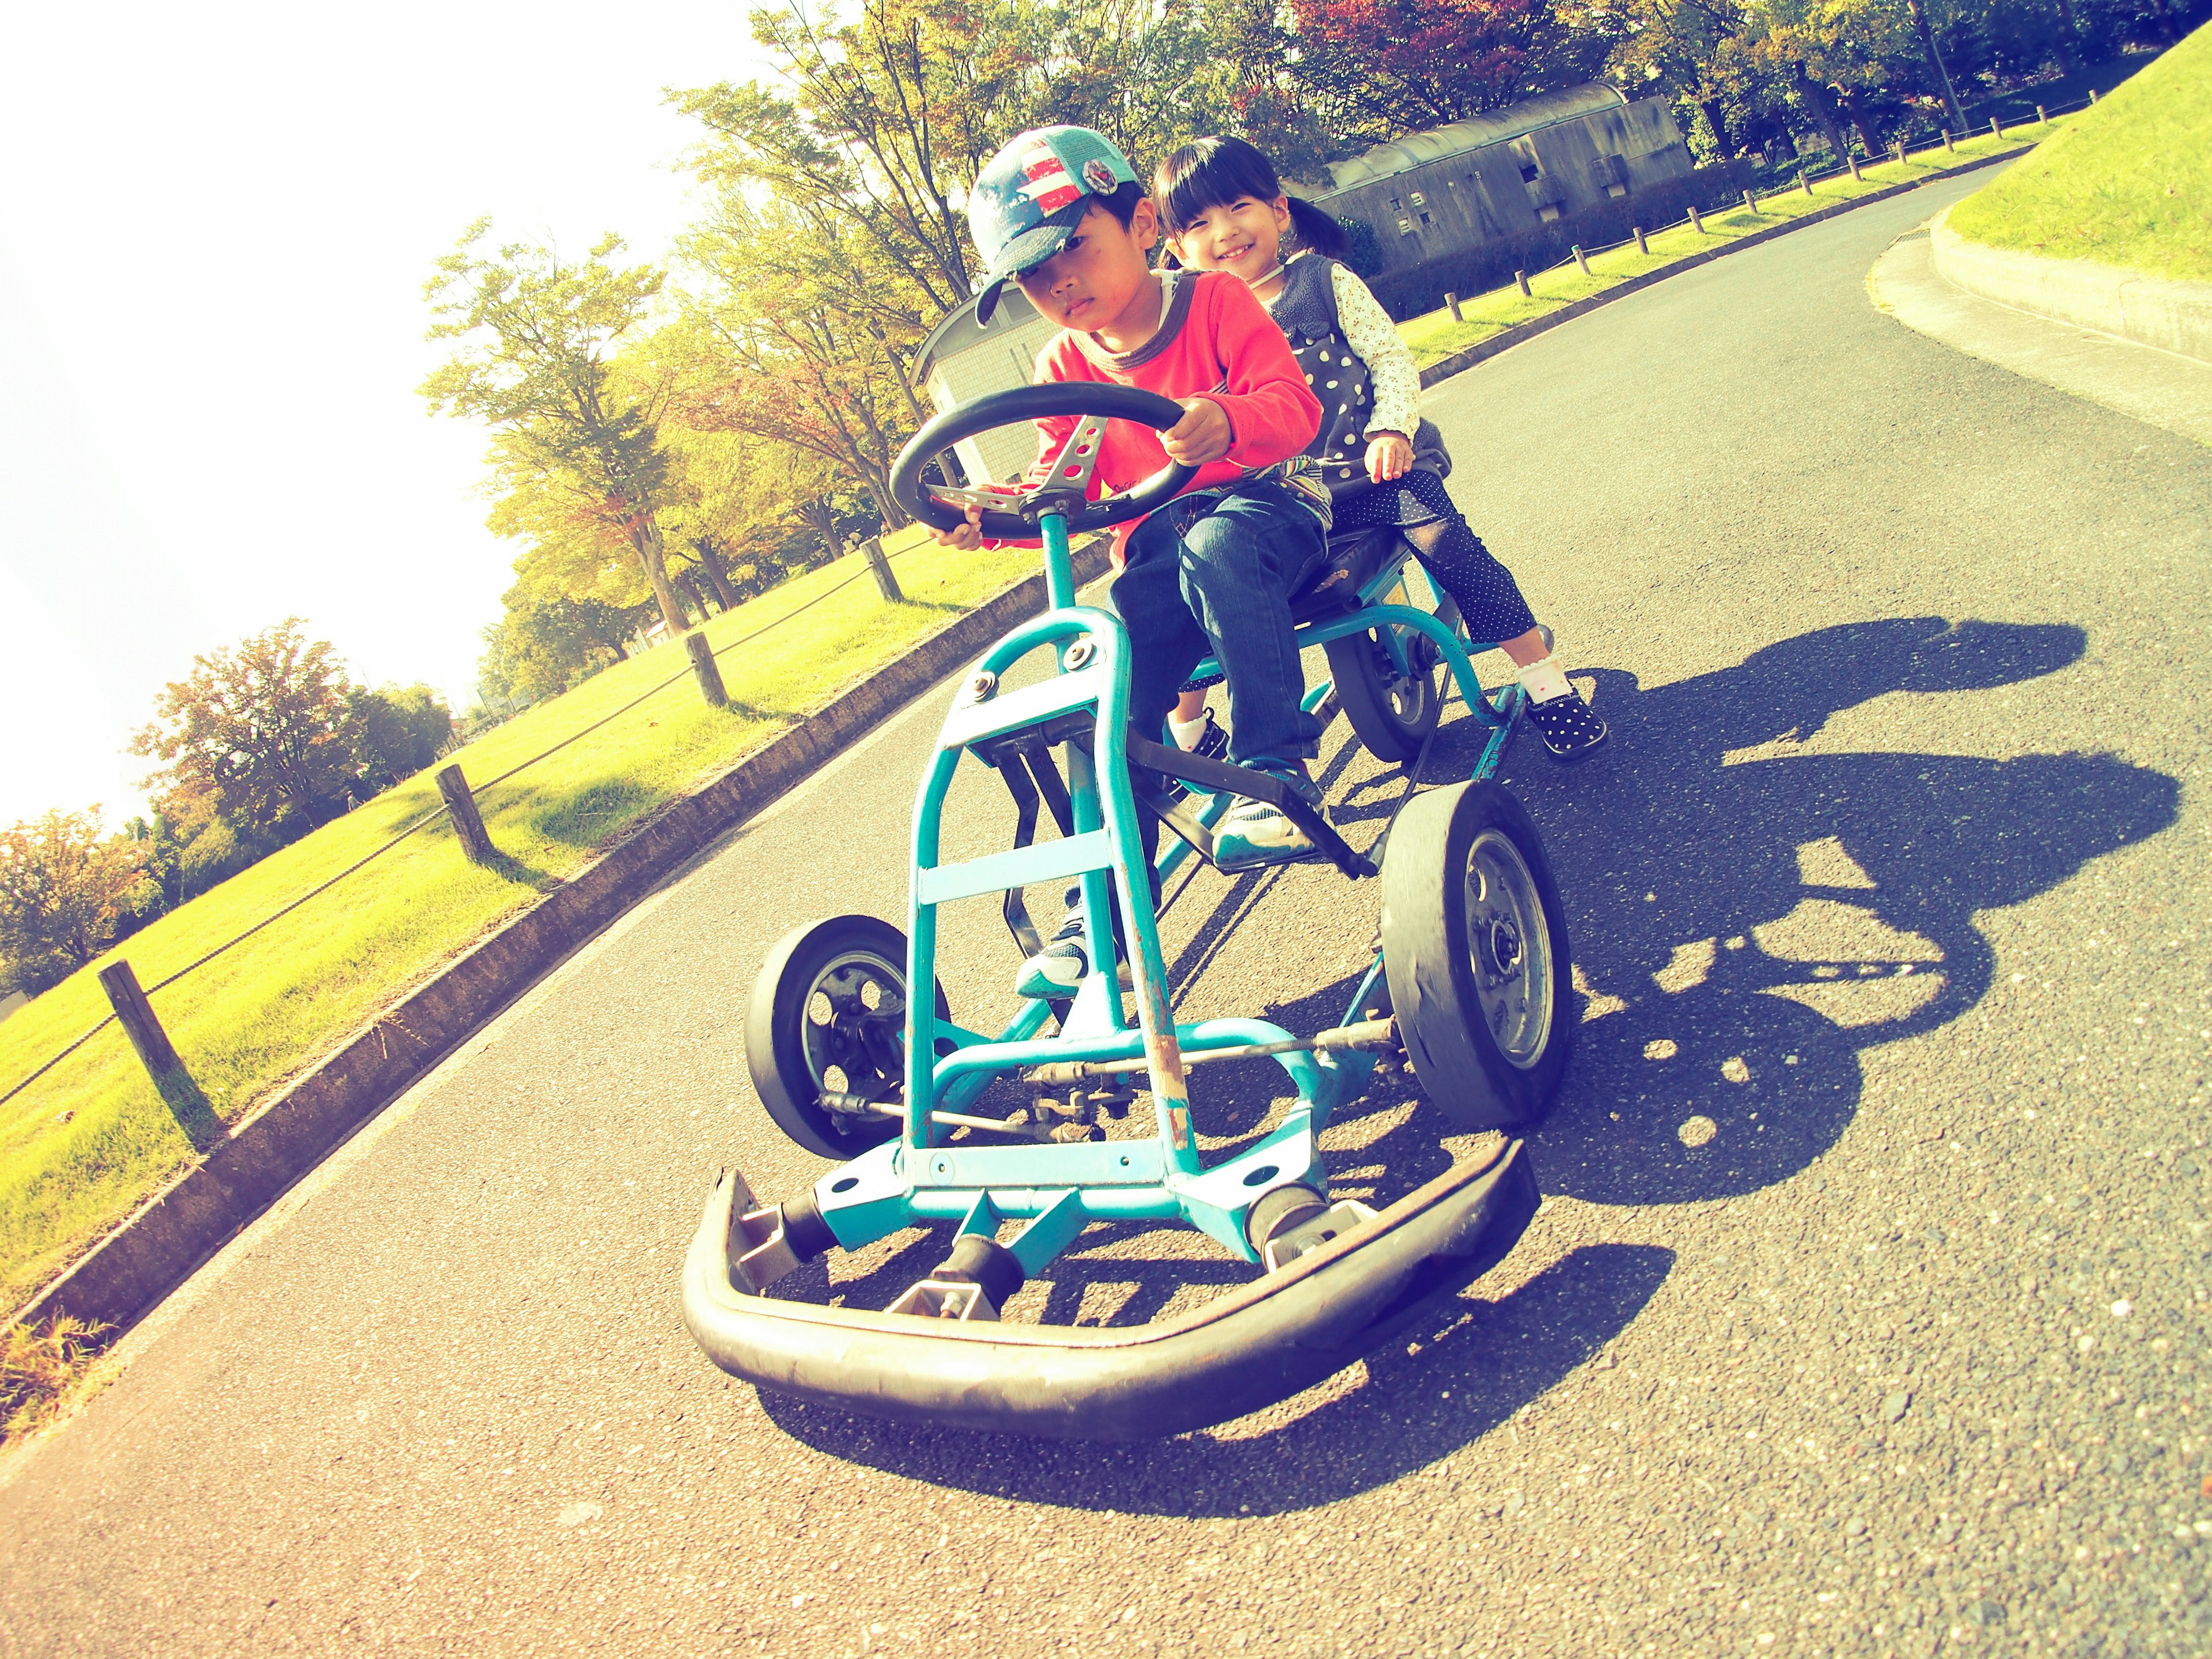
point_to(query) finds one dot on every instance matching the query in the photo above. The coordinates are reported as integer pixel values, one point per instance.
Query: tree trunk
(1823, 107)
(710, 561)
(646, 539)
(1859, 120)
(1718, 122)
(688, 588)
(1919, 11)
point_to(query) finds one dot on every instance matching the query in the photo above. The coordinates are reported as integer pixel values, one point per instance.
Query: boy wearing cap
(1060, 213)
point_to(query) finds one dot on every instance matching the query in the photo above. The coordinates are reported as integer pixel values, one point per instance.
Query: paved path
(1896, 878)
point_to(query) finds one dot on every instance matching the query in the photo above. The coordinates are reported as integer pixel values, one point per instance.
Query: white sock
(1545, 680)
(1188, 732)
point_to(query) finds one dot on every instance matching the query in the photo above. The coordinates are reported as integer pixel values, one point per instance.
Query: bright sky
(218, 221)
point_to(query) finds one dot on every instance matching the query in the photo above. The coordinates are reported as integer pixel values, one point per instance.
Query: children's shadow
(1443, 1385)
(1747, 916)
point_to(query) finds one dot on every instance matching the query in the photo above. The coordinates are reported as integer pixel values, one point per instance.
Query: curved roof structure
(1441, 144)
(957, 330)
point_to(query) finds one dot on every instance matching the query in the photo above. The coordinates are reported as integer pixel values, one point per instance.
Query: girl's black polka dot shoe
(1568, 725)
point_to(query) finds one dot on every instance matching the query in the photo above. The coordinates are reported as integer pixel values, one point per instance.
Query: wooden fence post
(1899, 146)
(1947, 143)
(1696, 220)
(1853, 162)
(1749, 205)
(1803, 183)
(1451, 304)
(2093, 95)
(2041, 120)
(1642, 245)
(880, 568)
(1522, 277)
(461, 807)
(171, 1080)
(1996, 128)
(704, 670)
(1582, 259)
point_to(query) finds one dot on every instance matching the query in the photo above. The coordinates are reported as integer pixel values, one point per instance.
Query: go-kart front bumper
(1246, 1348)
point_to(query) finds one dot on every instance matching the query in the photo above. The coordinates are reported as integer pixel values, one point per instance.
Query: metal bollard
(1451, 304)
(704, 669)
(1582, 259)
(468, 823)
(1642, 247)
(1522, 277)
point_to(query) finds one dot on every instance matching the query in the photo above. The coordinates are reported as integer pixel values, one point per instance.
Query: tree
(265, 731)
(540, 332)
(396, 732)
(65, 885)
(546, 643)
(1380, 68)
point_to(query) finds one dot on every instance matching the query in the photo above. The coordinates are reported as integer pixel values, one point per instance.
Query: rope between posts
(427, 818)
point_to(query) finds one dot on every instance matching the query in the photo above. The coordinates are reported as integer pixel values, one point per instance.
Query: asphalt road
(1896, 878)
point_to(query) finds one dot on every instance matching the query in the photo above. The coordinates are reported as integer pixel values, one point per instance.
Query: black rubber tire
(1462, 863)
(779, 1024)
(1392, 719)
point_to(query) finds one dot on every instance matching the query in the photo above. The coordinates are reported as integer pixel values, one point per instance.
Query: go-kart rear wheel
(1392, 714)
(828, 1012)
(1475, 946)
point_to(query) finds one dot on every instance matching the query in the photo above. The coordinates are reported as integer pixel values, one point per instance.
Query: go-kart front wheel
(1475, 946)
(829, 1013)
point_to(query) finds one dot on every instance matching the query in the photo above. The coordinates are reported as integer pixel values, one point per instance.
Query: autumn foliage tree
(1385, 67)
(66, 886)
(264, 729)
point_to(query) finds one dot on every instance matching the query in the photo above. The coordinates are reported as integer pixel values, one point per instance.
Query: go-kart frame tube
(1107, 806)
(1249, 1348)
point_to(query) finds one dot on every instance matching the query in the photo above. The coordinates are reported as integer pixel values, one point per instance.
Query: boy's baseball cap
(1032, 194)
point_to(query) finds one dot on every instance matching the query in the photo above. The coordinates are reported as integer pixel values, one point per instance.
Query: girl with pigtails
(1224, 208)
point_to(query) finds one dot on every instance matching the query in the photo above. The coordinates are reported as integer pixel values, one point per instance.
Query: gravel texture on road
(1865, 1312)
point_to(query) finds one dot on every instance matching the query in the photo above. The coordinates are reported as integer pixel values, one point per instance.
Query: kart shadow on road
(1748, 913)
(1747, 916)
(1440, 1387)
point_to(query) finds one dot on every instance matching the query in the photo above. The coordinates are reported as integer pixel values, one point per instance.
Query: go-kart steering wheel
(1066, 490)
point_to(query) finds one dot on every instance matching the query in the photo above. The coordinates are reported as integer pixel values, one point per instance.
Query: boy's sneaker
(1257, 833)
(1057, 971)
(1568, 727)
(1213, 744)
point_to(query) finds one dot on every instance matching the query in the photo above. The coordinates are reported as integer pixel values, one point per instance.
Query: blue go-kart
(1469, 989)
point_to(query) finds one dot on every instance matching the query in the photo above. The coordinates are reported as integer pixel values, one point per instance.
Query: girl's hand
(968, 537)
(1203, 434)
(1388, 456)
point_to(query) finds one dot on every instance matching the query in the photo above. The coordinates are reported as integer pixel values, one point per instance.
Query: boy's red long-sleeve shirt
(1214, 340)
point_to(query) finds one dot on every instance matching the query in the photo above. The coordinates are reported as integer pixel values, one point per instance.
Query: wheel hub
(1510, 948)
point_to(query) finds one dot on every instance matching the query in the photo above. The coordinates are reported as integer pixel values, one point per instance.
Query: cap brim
(1028, 251)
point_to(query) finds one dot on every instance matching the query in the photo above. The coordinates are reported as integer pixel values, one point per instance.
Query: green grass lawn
(1435, 335)
(2128, 184)
(90, 1140)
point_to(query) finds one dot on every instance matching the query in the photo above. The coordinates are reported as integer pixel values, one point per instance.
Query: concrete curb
(1506, 339)
(2150, 310)
(167, 1240)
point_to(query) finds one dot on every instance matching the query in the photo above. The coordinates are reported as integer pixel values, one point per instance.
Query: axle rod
(1377, 1036)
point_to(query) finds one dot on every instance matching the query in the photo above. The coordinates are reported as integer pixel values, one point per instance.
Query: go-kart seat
(1352, 559)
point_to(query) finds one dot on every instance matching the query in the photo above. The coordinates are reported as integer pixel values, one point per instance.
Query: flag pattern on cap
(1047, 181)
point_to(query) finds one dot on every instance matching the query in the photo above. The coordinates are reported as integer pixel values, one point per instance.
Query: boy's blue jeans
(1215, 573)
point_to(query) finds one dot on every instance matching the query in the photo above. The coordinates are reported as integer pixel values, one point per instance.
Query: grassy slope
(2129, 184)
(1435, 335)
(90, 1140)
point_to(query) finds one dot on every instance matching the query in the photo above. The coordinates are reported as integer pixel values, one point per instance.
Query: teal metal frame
(1056, 1189)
